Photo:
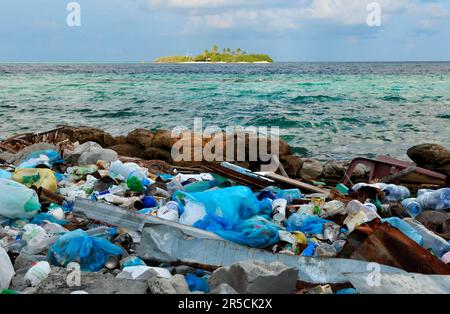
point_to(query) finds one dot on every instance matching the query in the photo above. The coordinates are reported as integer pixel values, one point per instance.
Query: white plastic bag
(193, 212)
(6, 269)
(17, 201)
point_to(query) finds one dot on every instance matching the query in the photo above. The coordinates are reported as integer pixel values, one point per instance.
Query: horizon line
(296, 61)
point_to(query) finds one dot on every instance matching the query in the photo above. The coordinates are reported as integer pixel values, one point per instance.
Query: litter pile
(85, 220)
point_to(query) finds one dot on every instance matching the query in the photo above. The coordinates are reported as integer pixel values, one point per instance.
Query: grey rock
(311, 169)
(92, 283)
(175, 285)
(256, 278)
(224, 289)
(336, 169)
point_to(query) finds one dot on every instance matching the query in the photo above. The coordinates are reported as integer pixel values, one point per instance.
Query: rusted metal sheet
(380, 243)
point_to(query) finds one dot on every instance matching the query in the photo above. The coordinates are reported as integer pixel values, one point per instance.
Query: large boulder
(84, 134)
(140, 137)
(256, 278)
(292, 165)
(311, 169)
(431, 156)
(128, 150)
(163, 139)
(153, 153)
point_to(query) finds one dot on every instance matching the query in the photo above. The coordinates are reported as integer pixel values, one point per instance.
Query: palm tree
(229, 50)
(238, 51)
(215, 49)
(224, 51)
(206, 54)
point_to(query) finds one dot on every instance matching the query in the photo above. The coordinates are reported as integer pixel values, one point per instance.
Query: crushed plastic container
(358, 214)
(430, 240)
(37, 273)
(17, 201)
(436, 200)
(412, 207)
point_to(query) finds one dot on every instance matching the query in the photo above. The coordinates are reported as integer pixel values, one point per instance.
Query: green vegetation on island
(226, 56)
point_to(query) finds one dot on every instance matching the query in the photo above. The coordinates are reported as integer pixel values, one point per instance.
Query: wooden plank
(296, 183)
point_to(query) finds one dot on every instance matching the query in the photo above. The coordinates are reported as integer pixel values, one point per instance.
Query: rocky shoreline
(156, 146)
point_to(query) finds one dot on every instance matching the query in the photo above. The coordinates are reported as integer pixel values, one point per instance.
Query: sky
(287, 30)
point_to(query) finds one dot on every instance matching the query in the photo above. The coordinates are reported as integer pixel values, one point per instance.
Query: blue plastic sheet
(196, 284)
(77, 246)
(305, 223)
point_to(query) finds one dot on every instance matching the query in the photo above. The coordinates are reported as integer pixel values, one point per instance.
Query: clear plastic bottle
(394, 192)
(437, 200)
(412, 207)
(430, 240)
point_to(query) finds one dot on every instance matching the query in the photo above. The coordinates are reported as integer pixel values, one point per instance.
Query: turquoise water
(323, 109)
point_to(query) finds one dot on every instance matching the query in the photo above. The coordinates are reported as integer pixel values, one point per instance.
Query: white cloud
(290, 14)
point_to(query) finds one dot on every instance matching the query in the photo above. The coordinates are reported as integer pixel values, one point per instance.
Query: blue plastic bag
(232, 213)
(76, 246)
(255, 232)
(196, 284)
(305, 223)
(39, 219)
(232, 204)
(310, 250)
(53, 156)
(405, 228)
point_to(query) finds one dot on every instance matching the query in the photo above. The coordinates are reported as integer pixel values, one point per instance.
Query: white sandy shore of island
(203, 62)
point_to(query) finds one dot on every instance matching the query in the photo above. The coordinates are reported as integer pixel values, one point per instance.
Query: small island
(226, 56)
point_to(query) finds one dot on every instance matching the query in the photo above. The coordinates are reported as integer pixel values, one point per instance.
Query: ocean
(324, 110)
